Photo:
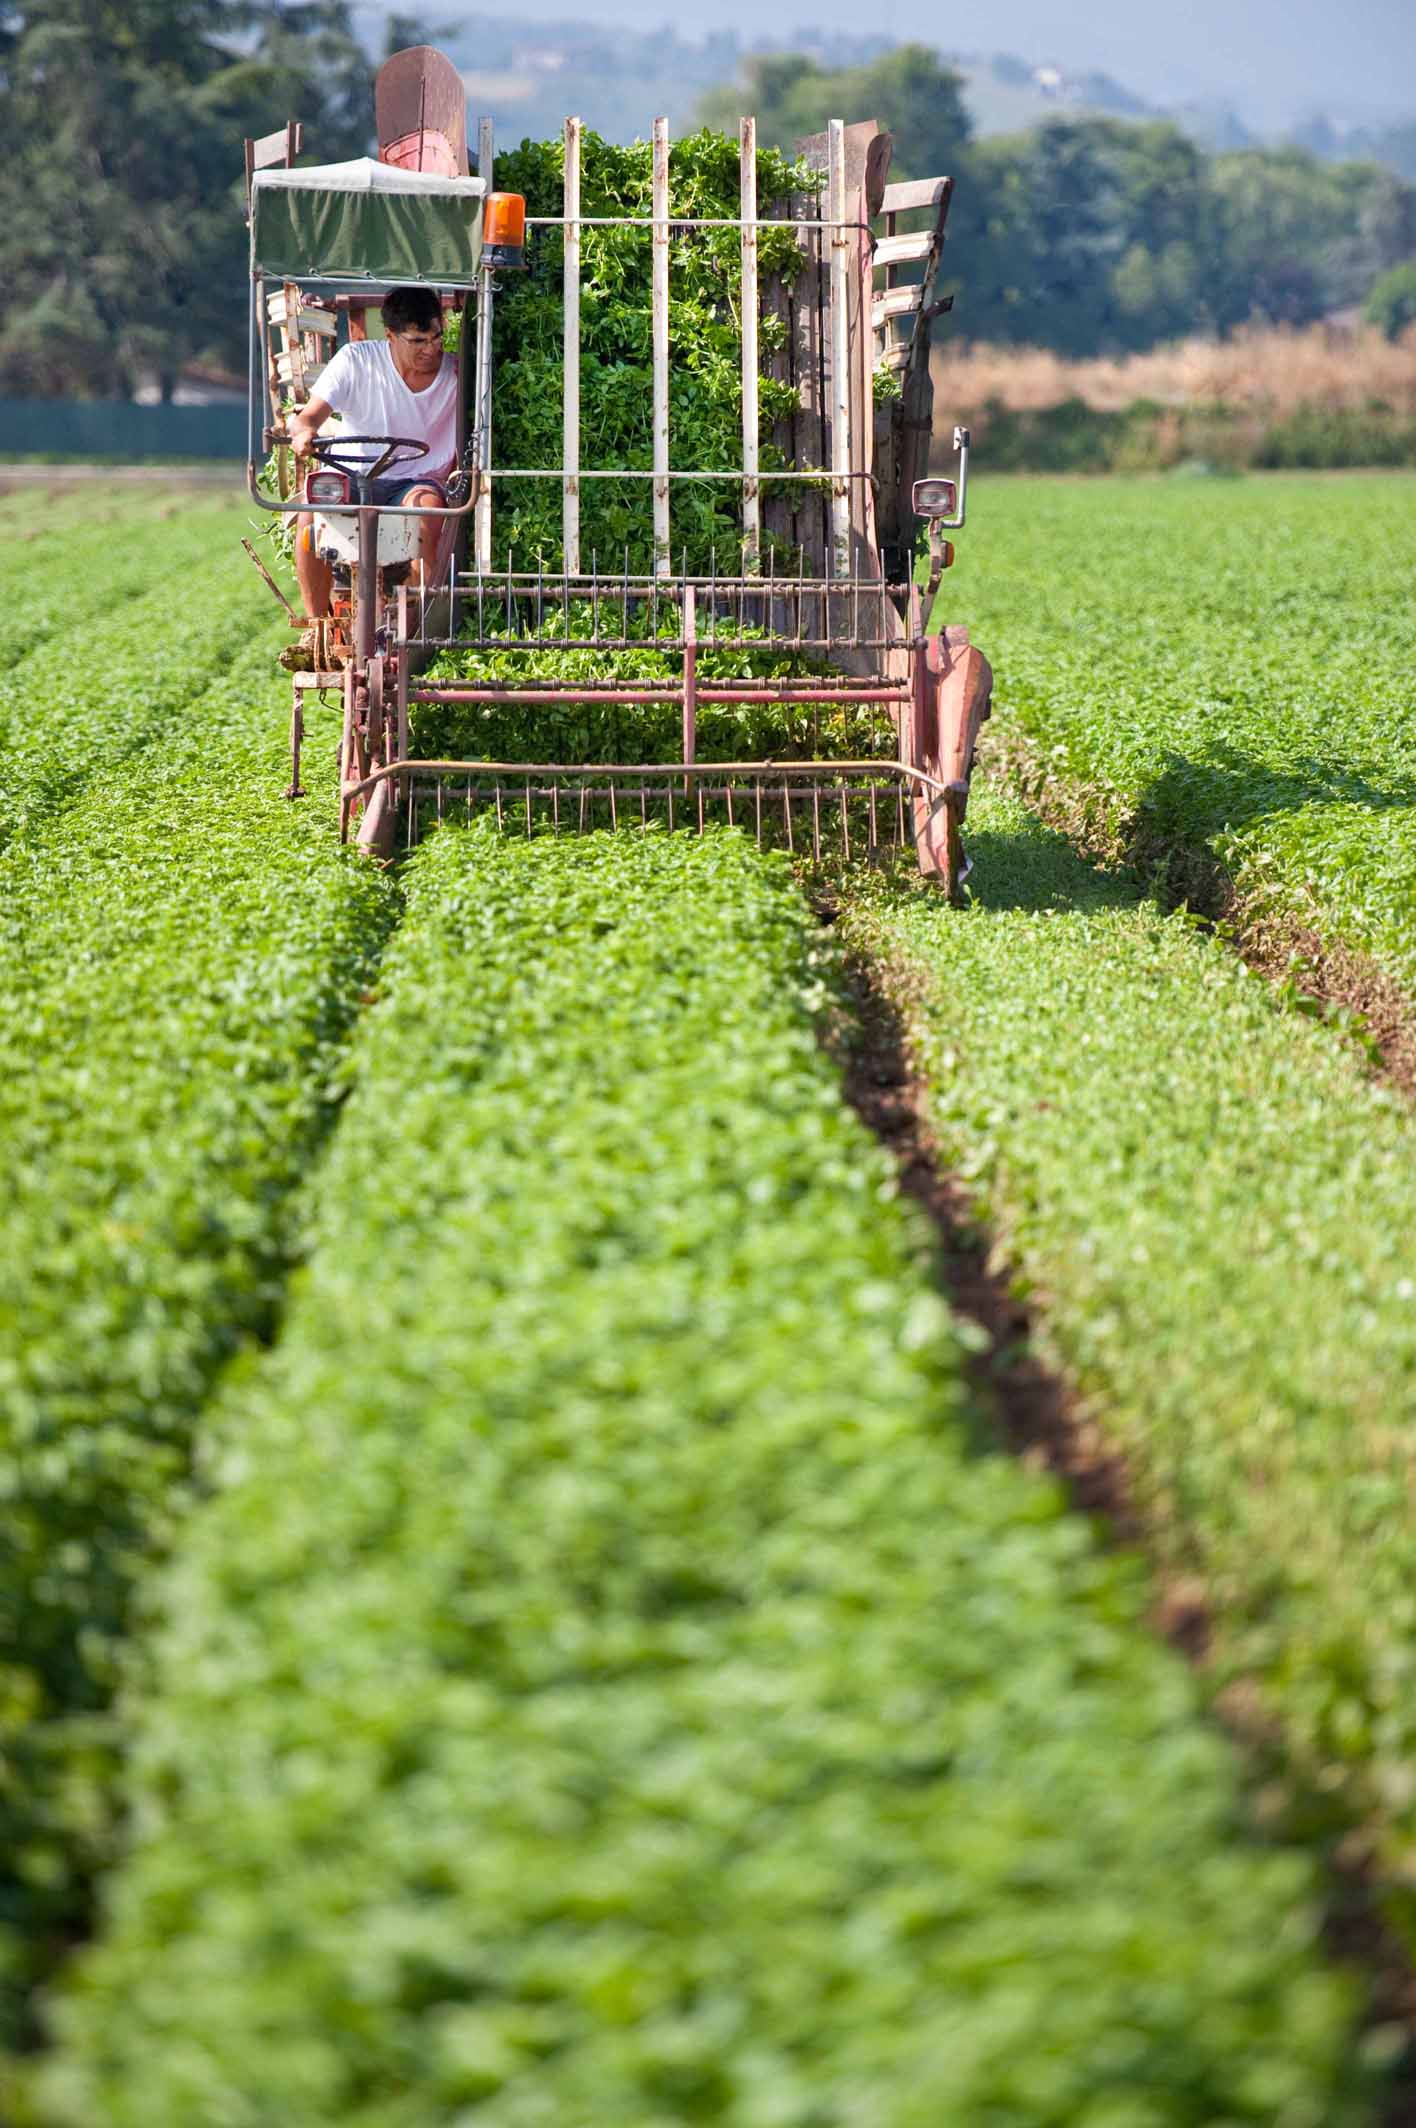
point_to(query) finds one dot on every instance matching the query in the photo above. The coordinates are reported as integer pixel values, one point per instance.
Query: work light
(935, 498)
(504, 230)
(327, 486)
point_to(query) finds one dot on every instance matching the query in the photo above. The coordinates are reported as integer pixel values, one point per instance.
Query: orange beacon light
(504, 230)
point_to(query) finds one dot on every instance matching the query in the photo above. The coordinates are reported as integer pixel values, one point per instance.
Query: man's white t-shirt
(363, 387)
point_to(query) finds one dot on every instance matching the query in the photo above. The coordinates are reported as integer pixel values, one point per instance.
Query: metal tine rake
(534, 802)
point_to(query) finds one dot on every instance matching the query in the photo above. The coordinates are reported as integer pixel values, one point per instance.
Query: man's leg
(316, 580)
(429, 531)
(315, 575)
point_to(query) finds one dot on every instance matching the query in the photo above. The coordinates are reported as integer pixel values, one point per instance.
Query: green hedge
(119, 430)
(1073, 437)
(180, 955)
(610, 1682)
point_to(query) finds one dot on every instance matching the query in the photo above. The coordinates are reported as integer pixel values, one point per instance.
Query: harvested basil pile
(597, 730)
(616, 331)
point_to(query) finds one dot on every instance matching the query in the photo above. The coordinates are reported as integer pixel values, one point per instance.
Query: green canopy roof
(366, 221)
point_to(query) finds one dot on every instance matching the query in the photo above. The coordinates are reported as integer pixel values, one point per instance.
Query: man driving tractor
(403, 385)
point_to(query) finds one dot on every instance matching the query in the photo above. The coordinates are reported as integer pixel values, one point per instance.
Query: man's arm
(307, 425)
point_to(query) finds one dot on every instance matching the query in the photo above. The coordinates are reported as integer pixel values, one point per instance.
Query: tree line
(1095, 235)
(122, 245)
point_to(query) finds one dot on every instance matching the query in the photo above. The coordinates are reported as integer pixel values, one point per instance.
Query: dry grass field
(1322, 396)
(1274, 370)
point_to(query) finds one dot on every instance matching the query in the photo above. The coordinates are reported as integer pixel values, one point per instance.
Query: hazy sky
(1272, 58)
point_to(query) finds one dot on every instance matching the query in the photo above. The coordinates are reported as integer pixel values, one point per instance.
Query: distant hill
(526, 74)
(1006, 95)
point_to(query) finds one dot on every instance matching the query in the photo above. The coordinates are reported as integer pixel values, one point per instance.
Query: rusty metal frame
(525, 610)
(887, 799)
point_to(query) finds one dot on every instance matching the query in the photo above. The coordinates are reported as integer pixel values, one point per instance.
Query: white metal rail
(840, 351)
(751, 492)
(662, 562)
(482, 516)
(570, 452)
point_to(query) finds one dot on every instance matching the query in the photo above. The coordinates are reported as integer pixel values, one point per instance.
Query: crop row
(83, 565)
(95, 694)
(1214, 1207)
(180, 955)
(1211, 673)
(608, 1682)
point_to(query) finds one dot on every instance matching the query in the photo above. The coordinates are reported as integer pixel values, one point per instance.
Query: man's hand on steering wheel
(397, 452)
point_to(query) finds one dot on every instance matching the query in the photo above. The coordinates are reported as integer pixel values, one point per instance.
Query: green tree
(122, 243)
(1391, 303)
(1303, 236)
(1099, 235)
(909, 90)
(1086, 235)
(401, 31)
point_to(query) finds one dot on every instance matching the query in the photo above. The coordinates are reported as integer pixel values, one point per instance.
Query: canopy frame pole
(751, 489)
(482, 522)
(662, 532)
(570, 452)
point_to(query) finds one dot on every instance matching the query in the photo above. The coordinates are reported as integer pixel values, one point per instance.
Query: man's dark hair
(410, 310)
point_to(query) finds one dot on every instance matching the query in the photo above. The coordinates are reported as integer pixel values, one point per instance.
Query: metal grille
(812, 809)
(520, 609)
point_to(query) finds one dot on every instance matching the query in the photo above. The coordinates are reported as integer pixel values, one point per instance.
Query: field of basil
(513, 1610)
(1213, 678)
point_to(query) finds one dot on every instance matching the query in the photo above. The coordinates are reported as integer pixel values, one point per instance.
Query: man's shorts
(390, 490)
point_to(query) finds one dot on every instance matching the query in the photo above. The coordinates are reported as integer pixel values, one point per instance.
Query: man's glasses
(417, 339)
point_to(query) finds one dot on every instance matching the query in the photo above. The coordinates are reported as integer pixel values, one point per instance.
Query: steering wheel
(398, 450)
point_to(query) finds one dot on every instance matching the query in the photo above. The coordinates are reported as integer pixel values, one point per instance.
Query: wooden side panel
(867, 161)
(799, 515)
(779, 510)
(904, 432)
(865, 555)
(868, 148)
